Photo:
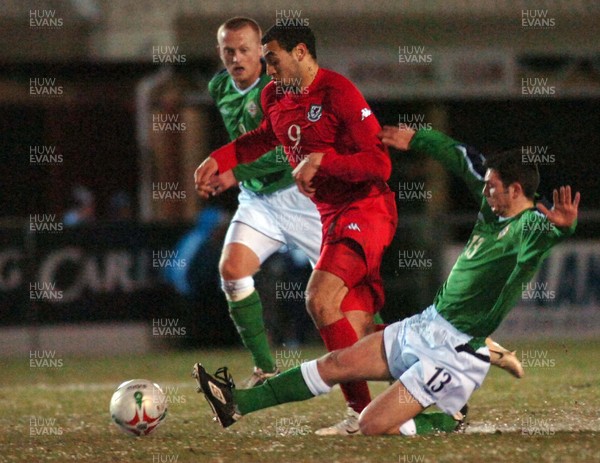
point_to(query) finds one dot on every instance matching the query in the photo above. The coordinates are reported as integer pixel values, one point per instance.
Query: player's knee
(237, 289)
(319, 304)
(312, 302)
(368, 424)
(230, 269)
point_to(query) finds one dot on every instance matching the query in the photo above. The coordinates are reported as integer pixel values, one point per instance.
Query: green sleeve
(538, 236)
(462, 160)
(512, 290)
(268, 163)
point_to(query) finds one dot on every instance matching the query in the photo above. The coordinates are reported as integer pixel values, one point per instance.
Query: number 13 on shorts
(438, 380)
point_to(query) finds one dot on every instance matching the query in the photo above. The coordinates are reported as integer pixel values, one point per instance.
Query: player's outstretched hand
(564, 211)
(396, 137)
(204, 177)
(306, 171)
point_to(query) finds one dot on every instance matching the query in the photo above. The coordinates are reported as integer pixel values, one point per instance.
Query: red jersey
(331, 116)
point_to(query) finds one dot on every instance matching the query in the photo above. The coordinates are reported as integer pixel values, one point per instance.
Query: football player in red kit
(329, 135)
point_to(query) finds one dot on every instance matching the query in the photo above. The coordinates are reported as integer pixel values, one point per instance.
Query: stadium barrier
(84, 288)
(101, 288)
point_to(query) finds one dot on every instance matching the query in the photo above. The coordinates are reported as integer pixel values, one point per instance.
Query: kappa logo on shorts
(364, 113)
(353, 226)
(315, 112)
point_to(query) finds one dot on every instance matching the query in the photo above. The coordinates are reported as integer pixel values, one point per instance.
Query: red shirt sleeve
(252, 145)
(369, 159)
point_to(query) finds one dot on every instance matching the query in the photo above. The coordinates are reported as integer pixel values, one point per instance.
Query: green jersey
(502, 254)
(242, 112)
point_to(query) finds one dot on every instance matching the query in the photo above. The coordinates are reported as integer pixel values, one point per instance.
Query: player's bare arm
(396, 137)
(306, 171)
(564, 212)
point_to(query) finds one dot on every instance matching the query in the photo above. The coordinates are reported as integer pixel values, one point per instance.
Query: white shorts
(285, 217)
(433, 360)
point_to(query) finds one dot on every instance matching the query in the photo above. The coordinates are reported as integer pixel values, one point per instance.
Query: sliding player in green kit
(438, 356)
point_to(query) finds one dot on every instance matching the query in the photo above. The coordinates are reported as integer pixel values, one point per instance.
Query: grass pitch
(59, 412)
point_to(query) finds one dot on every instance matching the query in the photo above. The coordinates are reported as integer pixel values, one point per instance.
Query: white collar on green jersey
(246, 90)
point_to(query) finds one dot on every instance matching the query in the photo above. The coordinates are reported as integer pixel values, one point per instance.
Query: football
(138, 407)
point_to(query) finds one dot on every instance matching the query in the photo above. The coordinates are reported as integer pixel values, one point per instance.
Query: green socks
(247, 315)
(429, 423)
(288, 386)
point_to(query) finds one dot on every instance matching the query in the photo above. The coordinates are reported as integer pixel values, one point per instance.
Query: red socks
(338, 335)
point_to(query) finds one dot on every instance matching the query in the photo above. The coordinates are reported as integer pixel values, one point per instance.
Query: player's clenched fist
(223, 182)
(305, 171)
(396, 137)
(204, 177)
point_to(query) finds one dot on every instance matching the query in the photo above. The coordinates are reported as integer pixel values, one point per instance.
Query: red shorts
(353, 247)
